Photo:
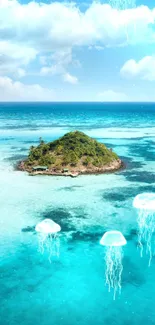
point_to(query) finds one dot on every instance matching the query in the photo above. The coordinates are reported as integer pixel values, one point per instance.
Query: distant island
(73, 154)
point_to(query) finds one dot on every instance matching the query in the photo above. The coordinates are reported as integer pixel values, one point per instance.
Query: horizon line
(76, 102)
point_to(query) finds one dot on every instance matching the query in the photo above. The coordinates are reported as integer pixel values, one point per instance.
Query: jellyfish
(113, 242)
(48, 239)
(145, 205)
(121, 5)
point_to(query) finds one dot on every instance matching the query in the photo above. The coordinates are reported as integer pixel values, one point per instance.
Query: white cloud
(134, 96)
(143, 69)
(20, 73)
(112, 96)
(14, 57)
(61, 59)
(51, 70)
(57, 26)
(69, 78)
(52, 30)
(17, 91)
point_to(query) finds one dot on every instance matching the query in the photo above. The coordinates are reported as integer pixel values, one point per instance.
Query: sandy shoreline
(114, 166)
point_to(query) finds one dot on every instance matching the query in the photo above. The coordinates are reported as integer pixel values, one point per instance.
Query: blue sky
(81, 51)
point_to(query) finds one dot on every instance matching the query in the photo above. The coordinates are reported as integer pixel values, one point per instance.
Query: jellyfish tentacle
(114, 268)
(47, 237)
(42, 240)
(145, 205)
(57, 244)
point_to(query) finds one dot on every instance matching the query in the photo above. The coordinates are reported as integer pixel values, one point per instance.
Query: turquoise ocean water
(71, 290)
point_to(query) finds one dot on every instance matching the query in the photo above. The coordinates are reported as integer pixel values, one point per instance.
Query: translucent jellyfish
(113, 242)
(48, 238)
(122, 4)
(145, 205)
(124, 19)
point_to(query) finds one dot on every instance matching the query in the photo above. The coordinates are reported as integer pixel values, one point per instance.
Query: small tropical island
(71, 155)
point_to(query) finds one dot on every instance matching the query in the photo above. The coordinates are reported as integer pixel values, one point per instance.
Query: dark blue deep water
(71, 289)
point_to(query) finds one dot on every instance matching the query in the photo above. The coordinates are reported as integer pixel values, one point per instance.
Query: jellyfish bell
(48, 226)
(47, 231)
(145, 205)
(113, 242)
(145, 201)
(113, 238)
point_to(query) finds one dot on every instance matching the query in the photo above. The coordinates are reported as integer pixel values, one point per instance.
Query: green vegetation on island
(75, 151)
